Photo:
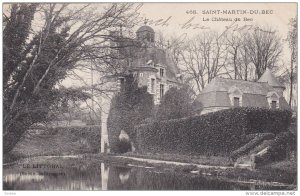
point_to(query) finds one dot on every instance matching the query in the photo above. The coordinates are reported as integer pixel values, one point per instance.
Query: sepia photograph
(149, 96)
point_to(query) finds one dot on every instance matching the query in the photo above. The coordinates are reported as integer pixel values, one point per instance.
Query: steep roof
(142, 52)
(216, 94)
(221, 99)
(270, 79)
(145, 28)
(159, 57)
(224, 84)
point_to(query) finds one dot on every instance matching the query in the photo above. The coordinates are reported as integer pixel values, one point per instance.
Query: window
(122, 82)
(273, 99)
(235, 96)
(274, 104)
(148, 36)
(152, 85)
(236, 102)
(162, 90)
(162, 72)
(141, 74)
(152, 37)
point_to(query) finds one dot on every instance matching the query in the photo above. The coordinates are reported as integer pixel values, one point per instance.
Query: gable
(272, 95)
(235, 91)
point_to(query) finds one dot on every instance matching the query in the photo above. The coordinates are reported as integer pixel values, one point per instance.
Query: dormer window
(236, 102)
(235, 96)
(273, 100)
(273, 104)
(162, 72)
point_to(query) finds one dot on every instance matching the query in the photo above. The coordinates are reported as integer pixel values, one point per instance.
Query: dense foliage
(71, 140)
(177, 103)
(261, 120)
(218, 133)
(279, 148)
(128, 108)
(38, 55)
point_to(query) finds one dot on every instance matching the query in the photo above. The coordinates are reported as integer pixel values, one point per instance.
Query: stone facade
(150, 65)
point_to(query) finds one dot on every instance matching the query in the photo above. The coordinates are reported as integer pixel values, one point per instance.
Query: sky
(184, 20)
(278, 15)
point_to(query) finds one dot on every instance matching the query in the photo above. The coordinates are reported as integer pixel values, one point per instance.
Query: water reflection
(24, 177)
(104, 176)
(112, 177)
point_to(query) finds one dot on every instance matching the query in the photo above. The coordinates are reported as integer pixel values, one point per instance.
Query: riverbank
(57, 141)
(280, 173)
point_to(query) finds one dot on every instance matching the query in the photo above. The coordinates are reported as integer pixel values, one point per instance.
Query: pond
(57, 175)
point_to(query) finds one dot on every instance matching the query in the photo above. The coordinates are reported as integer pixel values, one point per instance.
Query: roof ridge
(240, 80)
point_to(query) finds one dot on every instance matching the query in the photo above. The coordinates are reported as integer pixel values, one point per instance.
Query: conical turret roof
(270, 79)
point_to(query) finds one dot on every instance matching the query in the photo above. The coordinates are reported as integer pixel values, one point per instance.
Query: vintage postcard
(150, 96)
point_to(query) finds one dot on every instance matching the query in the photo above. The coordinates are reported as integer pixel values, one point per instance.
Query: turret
(272, 81)
(145, 33)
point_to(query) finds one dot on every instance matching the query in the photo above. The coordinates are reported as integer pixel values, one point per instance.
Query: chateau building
(150, 65)
(222, 93)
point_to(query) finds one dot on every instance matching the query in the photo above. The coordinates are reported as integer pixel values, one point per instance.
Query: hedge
(278, 149)
(261, 120)
(218, 133)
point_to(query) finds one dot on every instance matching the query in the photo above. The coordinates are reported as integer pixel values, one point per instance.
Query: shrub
(128, 108)
(279, 148)
(261, 120)
(124, 146)
(177, 103)
(72, 140)
(218, 133)
(89, 133)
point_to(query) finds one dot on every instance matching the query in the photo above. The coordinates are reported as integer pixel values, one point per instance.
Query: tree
(177, 103)
(234, 41)
(292, 39)
(37, 59)
(204, 57)
(173, 46)
(129, 108)
(264, 48)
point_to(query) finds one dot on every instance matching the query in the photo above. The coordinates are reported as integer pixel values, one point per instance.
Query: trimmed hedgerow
(218, 133)
(261, 120)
